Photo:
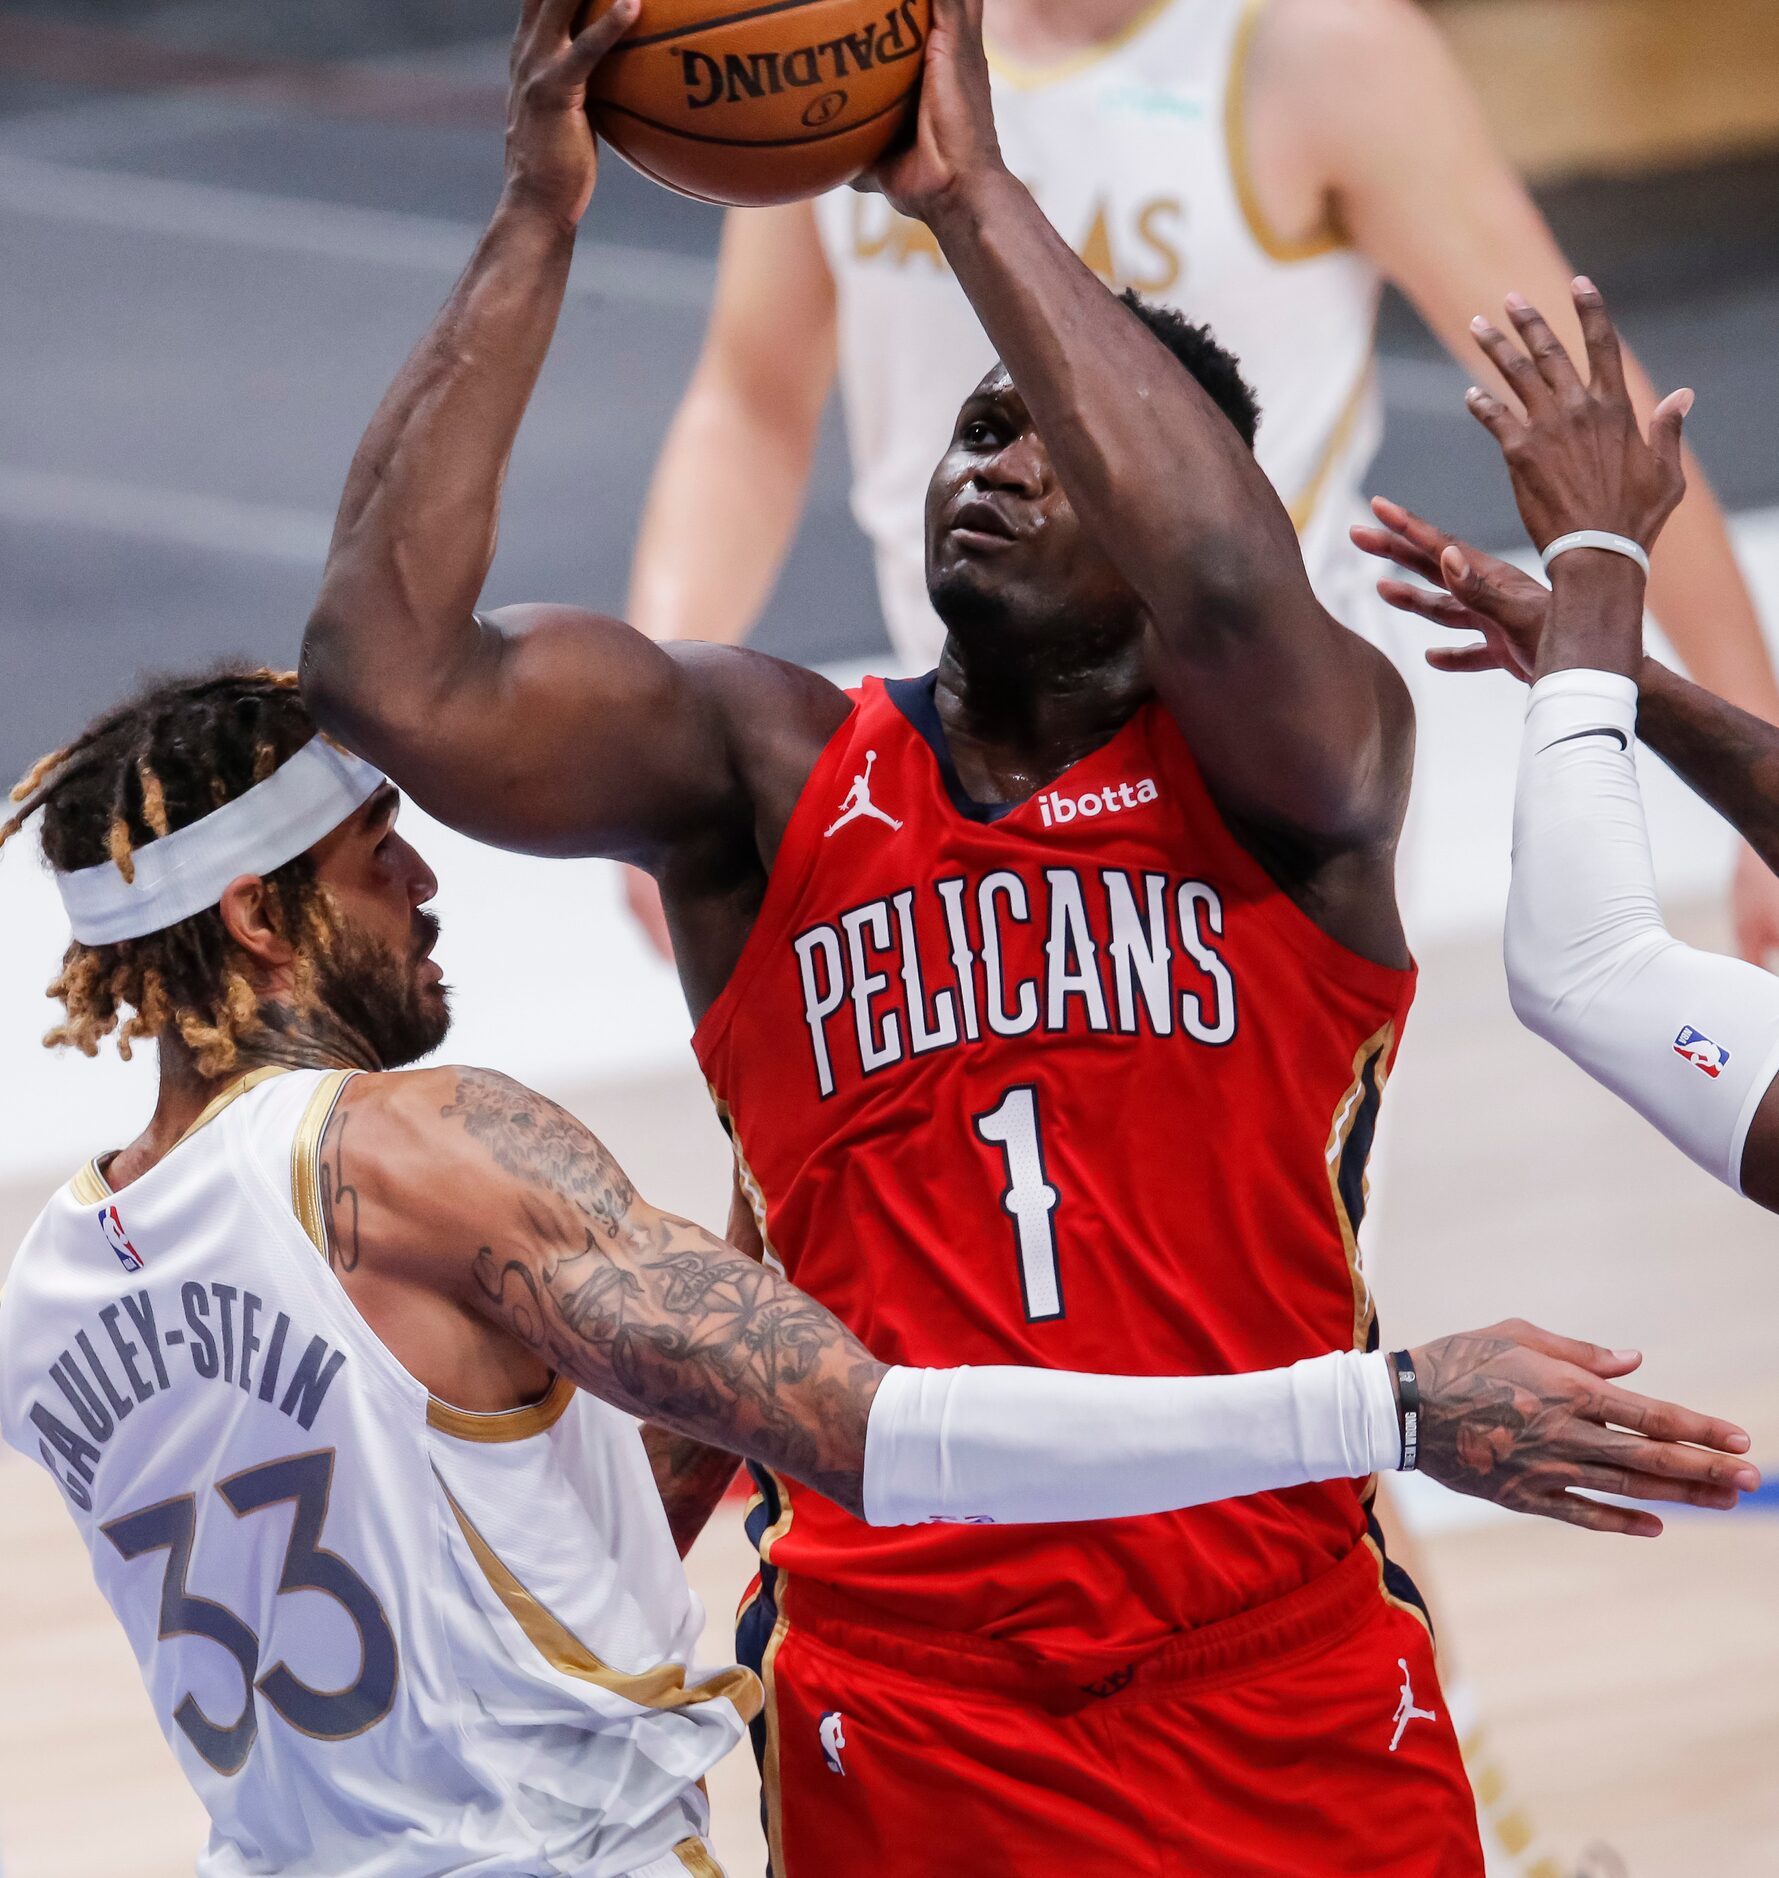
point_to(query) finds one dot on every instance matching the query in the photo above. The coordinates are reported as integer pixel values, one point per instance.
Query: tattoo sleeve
(1726, 756)
(653, 1313)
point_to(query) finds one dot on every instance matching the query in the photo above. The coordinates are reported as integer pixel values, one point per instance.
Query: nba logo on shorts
(833, 1739)
(115, 1237)
(1701, 1052)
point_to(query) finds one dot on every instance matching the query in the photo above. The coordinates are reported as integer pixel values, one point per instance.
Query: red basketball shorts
(1307, 1737)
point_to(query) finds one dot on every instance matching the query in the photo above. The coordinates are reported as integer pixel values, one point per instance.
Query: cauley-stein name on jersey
(128, 1355)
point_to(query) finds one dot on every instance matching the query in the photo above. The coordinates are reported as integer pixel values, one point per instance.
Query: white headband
(184, 872)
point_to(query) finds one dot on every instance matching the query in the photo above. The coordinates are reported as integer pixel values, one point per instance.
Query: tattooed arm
(502, 1209)
(499, 1242)
(691, 1476)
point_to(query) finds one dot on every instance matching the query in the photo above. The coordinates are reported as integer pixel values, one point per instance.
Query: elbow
(323, 671)
(1532, 988)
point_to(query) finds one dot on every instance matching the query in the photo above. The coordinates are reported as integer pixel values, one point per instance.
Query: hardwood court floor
(1630, 1691)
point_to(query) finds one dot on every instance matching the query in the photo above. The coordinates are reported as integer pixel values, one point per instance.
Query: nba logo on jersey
(833, 1738)
(1701, 1052)
(118, 1240)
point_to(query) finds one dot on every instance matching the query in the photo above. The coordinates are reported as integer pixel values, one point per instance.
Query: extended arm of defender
(653, 1314)
(539, 727)
(1297, 723)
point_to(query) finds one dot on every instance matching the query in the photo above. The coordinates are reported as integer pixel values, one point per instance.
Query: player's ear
(247, 919)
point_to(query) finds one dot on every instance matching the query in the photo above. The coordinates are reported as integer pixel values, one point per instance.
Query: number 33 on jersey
(1066, 1082)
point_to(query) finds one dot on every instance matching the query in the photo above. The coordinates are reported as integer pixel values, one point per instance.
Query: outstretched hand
(552, 154)
(1469, 592)
(1578, 456)
(1534, 1422)
(954, 136)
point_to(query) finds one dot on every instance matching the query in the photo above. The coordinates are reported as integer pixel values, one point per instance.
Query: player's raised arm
(470, 1185)
(538, 727)
(1296, 722)
(1690, 1039)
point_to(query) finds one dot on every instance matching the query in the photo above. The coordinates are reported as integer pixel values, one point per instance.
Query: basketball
(756, 103)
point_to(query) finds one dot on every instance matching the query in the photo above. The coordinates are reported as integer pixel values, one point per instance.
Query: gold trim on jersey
(770, 1785)
(1235, 135)
(663, 1687)
(751, 1190)
(694, 1854)
(305, 1157)
(1037, 77)
(1375, 1049)
(520, 1424)
(1388, 1596)
(89, 1186)
(239, 1087)
(1303, 510)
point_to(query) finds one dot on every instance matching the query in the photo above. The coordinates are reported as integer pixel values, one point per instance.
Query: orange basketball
(758, 101)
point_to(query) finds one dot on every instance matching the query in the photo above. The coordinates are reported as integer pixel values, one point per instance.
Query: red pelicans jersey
(1068, 1082)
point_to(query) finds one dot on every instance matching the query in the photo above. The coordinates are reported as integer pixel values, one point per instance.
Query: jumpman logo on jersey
(833, 1739)
(1405, 1708)
(858, 805)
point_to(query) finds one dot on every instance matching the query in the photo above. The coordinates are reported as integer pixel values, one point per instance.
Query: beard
(374, 992)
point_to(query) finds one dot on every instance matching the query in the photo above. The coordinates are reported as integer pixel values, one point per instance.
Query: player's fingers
(1668, 1421)
(1597, 1515)
(1494, 416)
(1595, 1446)
(1513, 365)
(1606, 359)
(1429, 603)
(1550, 357)
(1667, 431)
(595, 41)
(1464, 659)
(1413, 528)
(1596, 1358)
(1385, 545)
(1657, 1489)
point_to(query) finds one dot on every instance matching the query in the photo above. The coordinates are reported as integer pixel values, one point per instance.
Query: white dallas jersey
(385, 1638)
(1135, 150)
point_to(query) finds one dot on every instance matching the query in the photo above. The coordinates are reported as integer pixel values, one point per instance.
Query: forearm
(1727, 756)
(418, 521)
(720, 518)
(1156, 471)
(691, 1478)
(1689, 1039)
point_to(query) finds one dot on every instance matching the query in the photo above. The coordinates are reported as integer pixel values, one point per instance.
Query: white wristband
(1033, 1445)
(1597, 538)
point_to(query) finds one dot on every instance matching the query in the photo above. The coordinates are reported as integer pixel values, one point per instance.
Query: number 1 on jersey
(1012, 1126)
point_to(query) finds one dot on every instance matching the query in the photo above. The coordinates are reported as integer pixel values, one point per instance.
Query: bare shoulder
(415, 1162)
(777, 716)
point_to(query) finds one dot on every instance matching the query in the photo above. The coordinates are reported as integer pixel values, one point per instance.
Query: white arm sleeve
(1035, 1445)
(1689, 1039)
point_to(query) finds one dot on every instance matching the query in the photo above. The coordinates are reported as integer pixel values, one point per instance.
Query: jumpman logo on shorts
(858, 805)
(1405, 1709)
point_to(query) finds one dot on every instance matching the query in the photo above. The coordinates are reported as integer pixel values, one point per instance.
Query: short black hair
(1217, 369)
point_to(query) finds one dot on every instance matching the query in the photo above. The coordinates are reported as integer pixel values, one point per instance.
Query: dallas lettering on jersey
(1122, 954)
(226, 1338)
(741, 75)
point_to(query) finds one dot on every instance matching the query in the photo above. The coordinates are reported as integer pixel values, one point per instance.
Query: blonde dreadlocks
(158, 762)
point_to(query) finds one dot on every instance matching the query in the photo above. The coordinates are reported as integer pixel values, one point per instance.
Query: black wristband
(1408, 1408)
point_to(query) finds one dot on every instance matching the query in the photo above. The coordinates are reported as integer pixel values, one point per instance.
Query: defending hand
(1578, 457)
(1532, 1421)
(1470, 592)
(552, 154)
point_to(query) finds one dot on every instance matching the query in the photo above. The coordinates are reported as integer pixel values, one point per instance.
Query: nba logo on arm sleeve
(1698, 1049)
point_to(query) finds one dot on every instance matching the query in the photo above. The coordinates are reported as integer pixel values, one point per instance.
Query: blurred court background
(221, 228)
